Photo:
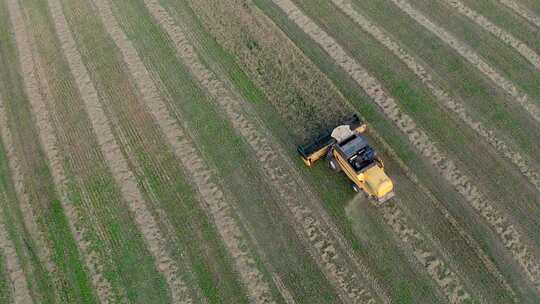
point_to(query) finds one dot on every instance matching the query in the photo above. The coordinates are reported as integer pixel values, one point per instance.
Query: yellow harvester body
(347, 150)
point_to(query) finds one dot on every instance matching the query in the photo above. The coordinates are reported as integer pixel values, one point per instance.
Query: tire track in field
(214, 199)
(522, 163)
(523, 12)
(17, 278)
(50, 147)
(496, 31)
(446, 279)
(474, 58)
(500, 224)
(116, 162)
(323, 239)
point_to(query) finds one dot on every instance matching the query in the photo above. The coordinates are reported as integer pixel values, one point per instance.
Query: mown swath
(474, 58)
(48, 142)
(117, 163)
(24, 204)
(498, 32)
(422, 252)
(216, 202)
(447, 280)
(523, 12)
(324, 241)
(284, 49)
(17, 277)
(507, 232)
(520, 161)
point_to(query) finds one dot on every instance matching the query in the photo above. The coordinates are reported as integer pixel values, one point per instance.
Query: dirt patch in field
(506, 231)
(117, 163)
(214, 200)
(470, 55)
(314, 230)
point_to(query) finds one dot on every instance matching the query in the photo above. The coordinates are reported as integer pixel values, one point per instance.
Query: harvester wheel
(355, 188)
(333, 165)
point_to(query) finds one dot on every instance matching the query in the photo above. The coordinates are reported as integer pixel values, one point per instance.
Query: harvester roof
(353, 145)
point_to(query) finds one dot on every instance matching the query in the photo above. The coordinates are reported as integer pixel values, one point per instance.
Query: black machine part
(325, 137)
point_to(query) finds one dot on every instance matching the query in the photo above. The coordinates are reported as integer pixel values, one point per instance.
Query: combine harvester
(347, 150)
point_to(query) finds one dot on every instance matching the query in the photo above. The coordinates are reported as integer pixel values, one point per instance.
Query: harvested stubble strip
(83, 161)
(522, 163)
(498, 32)
(347, 107)
(474, 58)
(116, 162)
(506, 231)
(184, 149)
(321, 236)
(29, 217)
(17, 277)
(523, 12)
(449, 283)
(49, 143)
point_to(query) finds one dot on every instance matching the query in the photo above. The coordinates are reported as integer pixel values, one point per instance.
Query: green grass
(126, 262)
(5, 292)
(220, 145)
(504, 18)
(389, 133)
(531, 5)
(335, 190)
(160, 173)
(500, 55)
(40, 282)
(72, 280)
(479, 160)
(490, 106)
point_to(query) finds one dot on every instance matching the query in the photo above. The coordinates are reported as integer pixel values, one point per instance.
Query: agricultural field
(148, 151)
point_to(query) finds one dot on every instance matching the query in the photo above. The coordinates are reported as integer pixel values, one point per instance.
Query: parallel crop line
(509, 235)
(443, 97)
(448, 281)
(49, 143)
(29, 218)
(412, 240)
(469, 240)
(116, 162)
(480, 253)
(87, 199)
(498, 32)
(322, 241)
(474, 58)
(523, 12)
(184, 149)
(17, 277)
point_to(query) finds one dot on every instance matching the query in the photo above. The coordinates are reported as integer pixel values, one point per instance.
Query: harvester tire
(355, 188)
(333, 165)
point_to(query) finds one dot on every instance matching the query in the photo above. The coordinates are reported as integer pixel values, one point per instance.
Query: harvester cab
(347, 150)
